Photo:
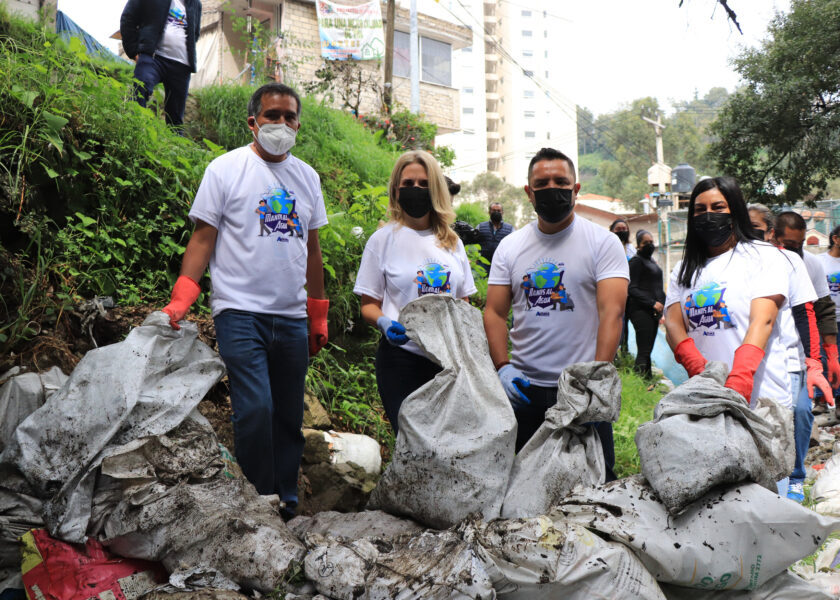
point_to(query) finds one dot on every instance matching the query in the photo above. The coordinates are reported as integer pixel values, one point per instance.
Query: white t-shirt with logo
(831, 266)
(173, 42)
(805, 270)
(263, 212)
(716, 310)
(400, 264)
(553, 279)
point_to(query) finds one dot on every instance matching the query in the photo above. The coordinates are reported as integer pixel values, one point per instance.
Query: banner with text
(351, 31)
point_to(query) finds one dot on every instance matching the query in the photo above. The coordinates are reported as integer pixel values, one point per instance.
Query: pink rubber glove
(689, 356)
(744, 365)
(833, 365)
(184, 293)
(814, 378)
(318, 332)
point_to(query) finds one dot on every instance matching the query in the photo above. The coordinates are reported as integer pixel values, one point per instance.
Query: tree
(780, 133)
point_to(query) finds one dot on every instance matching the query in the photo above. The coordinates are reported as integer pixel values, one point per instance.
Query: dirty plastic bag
(432, 565)
(733, 538)
(784, 586)
(826, 489)
(353, 526)
(542, 559)
(20, 511)
(565, 451)
(456, 439)
(704, 435)
(141, 387)
(22, 395)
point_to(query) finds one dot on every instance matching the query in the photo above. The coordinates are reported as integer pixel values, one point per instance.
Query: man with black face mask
(557, 250)
(493, 231)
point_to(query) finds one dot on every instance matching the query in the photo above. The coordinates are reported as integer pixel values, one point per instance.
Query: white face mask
(276, 138)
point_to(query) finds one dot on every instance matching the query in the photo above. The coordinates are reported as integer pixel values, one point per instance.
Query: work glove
(393, 330)
(184, 293)
(744, 365)
(689, 357)
(833, 365)
(513, 381)
(814, 378)
(317, 309)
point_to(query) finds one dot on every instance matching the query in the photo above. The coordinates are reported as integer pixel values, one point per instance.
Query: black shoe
(288, 511)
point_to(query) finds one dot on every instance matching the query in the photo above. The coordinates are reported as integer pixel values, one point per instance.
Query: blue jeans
(803, 420)
(175, 77)
(266, 358)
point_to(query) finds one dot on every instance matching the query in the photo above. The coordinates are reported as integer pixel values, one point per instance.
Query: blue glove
(513, 380)
(393, 330)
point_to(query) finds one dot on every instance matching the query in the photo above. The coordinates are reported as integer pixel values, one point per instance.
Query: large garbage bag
(119, 394)
(565, 451)
(733, 538)
(431, 565)
(456, 439)
(542, 559)
(704, 435)
(784, 586)
(826, 489)
(354, 526)
(22, 395)
(20, 511)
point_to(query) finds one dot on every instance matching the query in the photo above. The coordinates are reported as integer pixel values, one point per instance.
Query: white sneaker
(796, 492)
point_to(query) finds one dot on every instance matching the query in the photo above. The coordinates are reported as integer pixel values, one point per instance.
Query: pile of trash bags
(113, 473)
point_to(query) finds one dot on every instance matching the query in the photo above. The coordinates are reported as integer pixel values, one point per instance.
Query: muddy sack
(432, 565)
(565, 451)
(704, 435)
(22, 395)
(141, 387)
(784, 586)
(454, 451)
(354, 526)
(735, 538)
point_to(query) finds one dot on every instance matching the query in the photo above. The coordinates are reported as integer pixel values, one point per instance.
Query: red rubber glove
(689, 356)
(833, 365)
(814, 378)
(744, 365)
(318, 334)
(184, 293)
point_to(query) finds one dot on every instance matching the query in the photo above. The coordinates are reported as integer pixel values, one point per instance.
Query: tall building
(525, 108)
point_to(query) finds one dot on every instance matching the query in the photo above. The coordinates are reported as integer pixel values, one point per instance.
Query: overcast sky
(623, 49)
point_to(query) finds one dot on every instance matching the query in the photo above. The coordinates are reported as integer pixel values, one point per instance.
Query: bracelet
(501, 364)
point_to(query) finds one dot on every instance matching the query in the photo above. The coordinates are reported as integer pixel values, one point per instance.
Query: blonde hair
(442, 215)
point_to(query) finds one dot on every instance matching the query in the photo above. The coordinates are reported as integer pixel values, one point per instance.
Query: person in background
(492, 232)
(414, 254)
(160, 36)
(621, 229)
(263, 287)
(645, 299)
(584, 266)
(830, 261)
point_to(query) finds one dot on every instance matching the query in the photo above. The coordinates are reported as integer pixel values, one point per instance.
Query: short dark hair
(642, 233)
(453, 187)
(274, 88)
(494, 203)
(550, 154)
(790, 220)
(616, 222)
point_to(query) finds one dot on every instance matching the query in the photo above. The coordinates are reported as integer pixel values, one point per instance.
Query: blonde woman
(414, 254)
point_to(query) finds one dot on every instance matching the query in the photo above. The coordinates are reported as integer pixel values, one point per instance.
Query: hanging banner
(351, 31)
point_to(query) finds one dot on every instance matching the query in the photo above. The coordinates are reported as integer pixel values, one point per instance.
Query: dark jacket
(645, 284)
(143, 21)
(490, 237)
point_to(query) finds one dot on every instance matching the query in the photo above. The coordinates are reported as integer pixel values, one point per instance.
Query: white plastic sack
(22, 395)
(703, 435)
(826, 489)
(141, 387)
(456, 439)
(20, 511)
(354, 526)
(542, 559)
(784, 586)
(737, 538)
(431, 565)
(356, 448)
(565, 451)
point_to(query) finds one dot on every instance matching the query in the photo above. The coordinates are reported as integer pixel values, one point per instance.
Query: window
(469, 131)
(468, 110)
(435, 59)
(527, 53)
(545, 33)
(526, 13)
(546, 74)
(467, 90)
(528, 94)
(527, 33)
(546, 53)
(530, 114)
(402, 55)
(468, 49)
(528, 73)
(530, 134)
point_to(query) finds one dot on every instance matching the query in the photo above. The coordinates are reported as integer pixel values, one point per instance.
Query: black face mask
(795, 249)
(624, 236)
(496, 216)
(713, 228)
(415, 201)
(647, 250)
(553, 204)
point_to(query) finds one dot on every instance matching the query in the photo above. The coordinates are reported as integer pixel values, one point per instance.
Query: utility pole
(664, 244)
(390, 17)
(660, 154)
(414, 43)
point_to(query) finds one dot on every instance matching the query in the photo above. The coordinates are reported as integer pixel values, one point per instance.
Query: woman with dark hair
(645, 299)
(725, 296)
(622, 230)
(831, 265)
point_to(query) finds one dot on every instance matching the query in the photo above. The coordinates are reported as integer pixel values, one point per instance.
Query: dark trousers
(645, 323)
(175, 77)
(531, 416)
(266, 358)
(398, 374)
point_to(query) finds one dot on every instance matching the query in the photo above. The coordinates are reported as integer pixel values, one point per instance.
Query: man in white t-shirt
(259, 301)
(567, 280)
(160, 36)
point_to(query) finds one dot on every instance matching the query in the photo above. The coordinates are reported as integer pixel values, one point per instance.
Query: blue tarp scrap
(66, 28)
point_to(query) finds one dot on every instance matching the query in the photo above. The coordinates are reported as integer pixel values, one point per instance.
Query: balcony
(493, 155)
(494, 135)
(493, 116)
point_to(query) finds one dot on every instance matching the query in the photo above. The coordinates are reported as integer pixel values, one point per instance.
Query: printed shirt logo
(433, 278)
(707, 308)
(833, 283)
(277, 214)
(544, 288)
(177, 18)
